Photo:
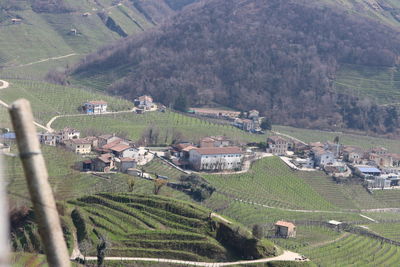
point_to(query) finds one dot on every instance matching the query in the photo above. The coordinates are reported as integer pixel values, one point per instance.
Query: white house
(215, 141)
(323, 157)
(95, 107)
(216, 158)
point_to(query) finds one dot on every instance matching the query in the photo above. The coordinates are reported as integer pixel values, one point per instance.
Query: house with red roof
(285, 229)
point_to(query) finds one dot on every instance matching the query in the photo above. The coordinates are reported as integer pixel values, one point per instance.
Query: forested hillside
(281, 57)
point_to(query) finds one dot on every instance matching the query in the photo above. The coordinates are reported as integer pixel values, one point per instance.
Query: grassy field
(157, 166)
(354, 250)
(270, 182)
(168, 125)
(363, 141)
(68, 183)
(4, 118)
(48, 100)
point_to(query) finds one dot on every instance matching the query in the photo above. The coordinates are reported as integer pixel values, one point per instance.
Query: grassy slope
(363, 141)
(45, 35)
(166, 123)
(49, 100)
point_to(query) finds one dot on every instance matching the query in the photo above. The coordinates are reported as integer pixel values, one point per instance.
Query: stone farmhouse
(95, 107)
(277, 145)
(216, 158)
(144, 102)
(285, 229)
(79, 146)
(52, 139)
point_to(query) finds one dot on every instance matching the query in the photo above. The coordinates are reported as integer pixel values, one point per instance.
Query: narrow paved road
(48, 125)
(286, 256)
(4, 85)
(43, 60)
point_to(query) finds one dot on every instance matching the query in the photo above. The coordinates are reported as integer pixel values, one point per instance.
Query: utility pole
(4, 224)
(40, 191)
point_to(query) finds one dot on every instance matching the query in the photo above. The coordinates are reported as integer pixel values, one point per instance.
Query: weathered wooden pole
(39, 188)
(4, 224)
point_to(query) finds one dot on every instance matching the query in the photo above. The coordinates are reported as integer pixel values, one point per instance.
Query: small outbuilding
(285, 229)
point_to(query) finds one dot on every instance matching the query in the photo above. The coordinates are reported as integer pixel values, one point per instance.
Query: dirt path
(290, 137)
(286, 256)
(215, 215)
(43, 60)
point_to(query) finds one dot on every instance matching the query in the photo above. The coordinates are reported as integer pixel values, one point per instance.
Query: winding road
(286, 256)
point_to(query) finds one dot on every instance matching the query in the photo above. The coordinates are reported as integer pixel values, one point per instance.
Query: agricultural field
(354, 250)
(249, 214)
(388, 230)
(67, 183)
(166, 126)
(390, 197)
(270, 182)
(48, 100)
(345, 196)
(154, 226)
(362, 141)
(381, 84)
(157, 166)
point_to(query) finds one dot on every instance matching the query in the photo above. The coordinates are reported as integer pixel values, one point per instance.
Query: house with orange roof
(285, 229)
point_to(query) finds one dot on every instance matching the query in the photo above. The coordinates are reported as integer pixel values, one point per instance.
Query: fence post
(4, 224)
(40, 191)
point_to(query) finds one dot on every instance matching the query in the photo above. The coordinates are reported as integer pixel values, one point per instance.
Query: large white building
(216, 158)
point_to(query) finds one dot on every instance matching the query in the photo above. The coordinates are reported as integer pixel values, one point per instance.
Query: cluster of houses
(377, 166)
(112, 152)
(215, 153)
(249, 122)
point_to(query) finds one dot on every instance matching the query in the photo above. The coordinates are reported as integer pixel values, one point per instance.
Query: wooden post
(4, 224)
(36, 175)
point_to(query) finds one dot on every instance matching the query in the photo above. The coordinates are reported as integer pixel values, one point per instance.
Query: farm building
(215, 141)
(67, 134)
(323, 157)
(124, 164)
(216, 158)
(104, 163)
(277, 145)
(366, 171)
(47, 138)
(285, 229)
(144, 102)
(79, 146)
(95, 107)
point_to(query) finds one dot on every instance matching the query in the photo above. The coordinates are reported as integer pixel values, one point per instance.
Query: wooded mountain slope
(280, 57)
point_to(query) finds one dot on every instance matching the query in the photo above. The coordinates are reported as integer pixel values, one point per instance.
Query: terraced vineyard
(390, 197)
(354, 250)
(151, 226)
(345, 196)
(270, 182)
(168, 125)
(388, 230)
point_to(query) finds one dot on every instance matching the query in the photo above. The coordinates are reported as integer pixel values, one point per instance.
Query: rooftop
(368, 169)
(97, 102)
(276, 138)
(219, 150)
(80, 141)
(120, 147)
(285, 224)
